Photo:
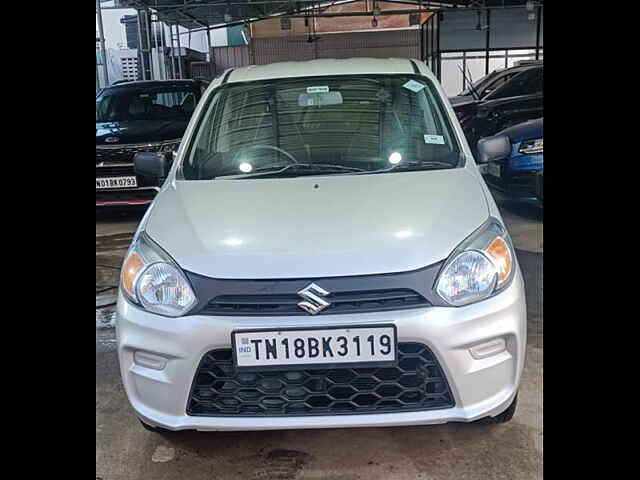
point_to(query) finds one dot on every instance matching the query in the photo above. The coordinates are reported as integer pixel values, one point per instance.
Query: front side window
(124, 104)
(338, 125)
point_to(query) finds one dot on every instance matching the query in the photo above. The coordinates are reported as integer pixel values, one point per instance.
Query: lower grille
(523, 183)
(139, 195)
(416, 383)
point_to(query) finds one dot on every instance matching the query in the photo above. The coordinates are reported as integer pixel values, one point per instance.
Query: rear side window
(528, 82)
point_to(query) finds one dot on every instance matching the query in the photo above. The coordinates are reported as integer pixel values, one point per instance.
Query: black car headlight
(170, 146)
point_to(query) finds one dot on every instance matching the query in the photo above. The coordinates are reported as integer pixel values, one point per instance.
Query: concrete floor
(513, 451)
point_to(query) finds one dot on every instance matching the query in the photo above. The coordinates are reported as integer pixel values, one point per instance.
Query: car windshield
(125, 104)
(479, 84)
(309, 126)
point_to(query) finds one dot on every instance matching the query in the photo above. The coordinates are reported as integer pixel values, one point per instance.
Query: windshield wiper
(416, 165)
(294, 169)
(471, 89)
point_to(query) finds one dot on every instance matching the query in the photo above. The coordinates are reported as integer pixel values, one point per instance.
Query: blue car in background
(519, 176)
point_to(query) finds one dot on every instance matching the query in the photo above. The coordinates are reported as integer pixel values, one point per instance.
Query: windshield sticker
(317, 89)
(413, 86)
(435, 139)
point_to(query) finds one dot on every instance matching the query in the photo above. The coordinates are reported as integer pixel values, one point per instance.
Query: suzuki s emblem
(112, 139)
(313, 302)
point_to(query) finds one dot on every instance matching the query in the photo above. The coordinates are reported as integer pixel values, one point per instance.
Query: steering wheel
(263, 147)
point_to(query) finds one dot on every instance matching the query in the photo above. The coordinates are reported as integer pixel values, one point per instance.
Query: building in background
(115, 66)
(130, 23)
(128, 59)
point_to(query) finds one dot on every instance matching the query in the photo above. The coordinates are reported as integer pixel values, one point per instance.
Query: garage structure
(451, 37)
(460, 42)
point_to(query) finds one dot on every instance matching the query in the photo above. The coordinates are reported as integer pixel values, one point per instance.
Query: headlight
(479, 268)
(170, 146)
(151, 279)
(531, 147)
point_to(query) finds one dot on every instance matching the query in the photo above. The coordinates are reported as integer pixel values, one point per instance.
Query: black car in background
(517, 100)
(487, 84)
(141, 116)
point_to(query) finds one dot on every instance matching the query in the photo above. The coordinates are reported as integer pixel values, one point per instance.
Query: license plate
(116, 182)
(374, 346)
(493, 169)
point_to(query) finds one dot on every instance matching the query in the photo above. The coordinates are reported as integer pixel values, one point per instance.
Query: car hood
(321, 226)
(139, 131)
(460, 100)
(524, 131)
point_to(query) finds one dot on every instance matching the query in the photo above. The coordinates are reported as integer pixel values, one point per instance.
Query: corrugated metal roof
(194, 14)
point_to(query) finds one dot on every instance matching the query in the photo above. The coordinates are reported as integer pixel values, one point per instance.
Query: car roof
(155, 83)
(519, 67)
(325, 67)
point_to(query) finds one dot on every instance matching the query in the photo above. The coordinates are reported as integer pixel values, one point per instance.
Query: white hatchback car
(323, 253)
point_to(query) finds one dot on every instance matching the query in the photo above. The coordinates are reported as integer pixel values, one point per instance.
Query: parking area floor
(513, 451)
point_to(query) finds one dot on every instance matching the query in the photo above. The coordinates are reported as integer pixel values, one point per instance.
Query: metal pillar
(141, 67)
(157, 75)
(147, 22)
(209, 45)
(163, 42)
(538, 25)
(488, 43)
(97, 78)
(103, 50)
(179, 52)
(172, 54)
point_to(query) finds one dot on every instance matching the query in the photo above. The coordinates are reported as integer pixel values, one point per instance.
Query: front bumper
(480, 386)
(126, 197)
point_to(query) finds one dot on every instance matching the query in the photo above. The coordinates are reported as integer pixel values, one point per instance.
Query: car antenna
(469, 80)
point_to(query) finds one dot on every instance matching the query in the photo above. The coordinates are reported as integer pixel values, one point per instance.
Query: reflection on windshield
(127, 104)
(322, 126)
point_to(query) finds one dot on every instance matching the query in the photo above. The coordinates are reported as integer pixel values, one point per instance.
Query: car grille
(120, 153)
(342, 302)
(416, 383)
(114, 171)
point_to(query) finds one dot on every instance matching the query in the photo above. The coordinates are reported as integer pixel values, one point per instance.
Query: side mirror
(153, 166)
(492, 149)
